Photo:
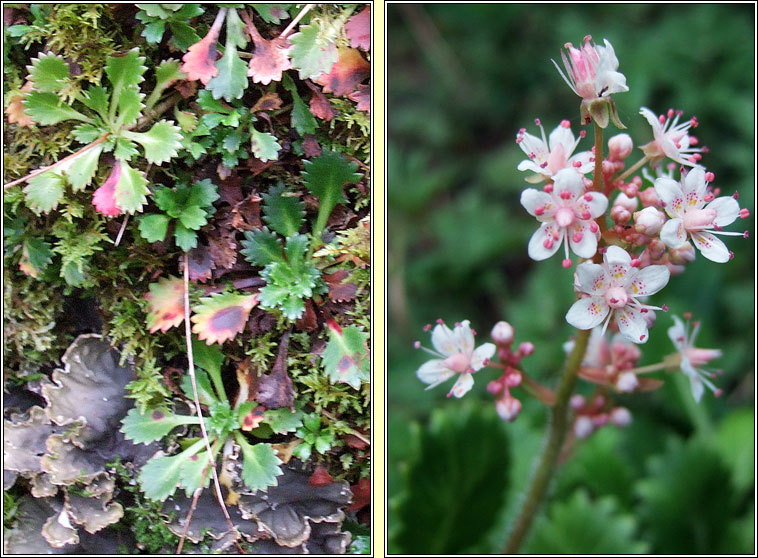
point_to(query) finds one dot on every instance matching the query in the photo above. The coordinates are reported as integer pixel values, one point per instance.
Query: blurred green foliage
(462, 80)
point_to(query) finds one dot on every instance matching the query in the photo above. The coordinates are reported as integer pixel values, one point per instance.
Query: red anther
(642, 337)
(577, 237)
(450, 394)
(716, 191)
(697, 156)
(532, 156)
(522, 130)
(587, 38)
(687, 315)
(644, 310)
(692, 159)
(519, 139)
(565, 195)
(708, 197)
(746, 235)
(543, 165)
(718, 393)
(576, 164)
(635, 262)
(565, 124)
(566, 263)
(709, 176)
(586, 215)
(593, 227)
(677, 145)
(705, 149)
(588, 196)
(717, 228)
(548, 243)
(427, 327)
(665, 308)
(457, 324)
(592, 159)
(670, 113)
(731, 255)
(417, 345)
(662, 119)
(486, 362)
(679, 112)
(693, 140)
(696, 323)
(440, 322)
(539, 210)
(582, 133)
(556, 236)
(613, 300)
(694, 122)
(736, 195)
(548, 188)
(537, 122)
(663, 203)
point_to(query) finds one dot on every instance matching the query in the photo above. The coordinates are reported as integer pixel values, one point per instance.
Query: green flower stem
(633, 168)
(598, 178)
(556, 434)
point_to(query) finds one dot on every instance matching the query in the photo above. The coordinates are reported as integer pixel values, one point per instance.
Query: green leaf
(125, 149)
(581, 526)
(129, 106)
(208, 103)
(161, 143)
(313, 51)
(191, 473)
(39, 253)
(44, 191)
(167, 73)
(302, 117)
(153, 10)
(264, 145)
(303, 451)
(283, 213)
(153, 227)
(81, 168)
(222, 419)
(153, 32)
(295, 250)
(193, 217)
(47, 109)
(323, 443)
(262, 247)
(96, 98)
(232, 140)
(131, 190)
(735, 443)
(204, 388)
(260, 466)
(231, 81)
(143, 428)
(165, 199)
(187, 121)
(235, 30)
(160, 476)
(455, 486)
(283, 420)
(182, 34)
(125, 71)
(345, 358)
(203, 193)
(49, 73)
(686, 504)
(87, 133)
(272, 13)
(186, 239)
(324, 176)
(207, 357)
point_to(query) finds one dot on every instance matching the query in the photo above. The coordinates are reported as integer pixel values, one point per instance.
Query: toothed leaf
(153, 31)
(161, 143)
(49, 73)
(191, 473)
(87, 133)
(186, 239)
(154, 424)
(165, 299)
(283, 420)
(193, 217)
(130, 106)
(82, 168)
(325, 176)
(264, 145)
(222, 316)
(272, 13)
(125, 149)
(345, 358)
(284, 213)
(313, 51)
(167, 73)
(44, 191)
(47, 109)
(160, 476)
(231, 81)
(131, 189)
(302, 117)
(96, 98)
(202, 194)
(260, 465)
(262, 247)
(125, 71)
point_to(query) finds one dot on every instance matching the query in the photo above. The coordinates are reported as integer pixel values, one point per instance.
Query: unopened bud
(526, 348)
(649, 198)
(577, 401)
(649, 221)
(682, 255)
(656, 249)
(502, 333)
(620, 214)
(620, 147)
(627, 382)
(583, 426)
(620, 416)
(508, 408)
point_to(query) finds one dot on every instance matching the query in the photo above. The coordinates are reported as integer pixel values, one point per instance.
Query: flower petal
(444, 340)
(711, 247)
(537, 249)
(649, 280)
(586, 246)
(592, 278)
(481, 354)
(673, 234)
(596, 205)
(434, 373)
(562, 136)
(694, 186)
(653, 121)
(568, 180)
(532, 144)
(696, 384)
(727, 210)
(631, 324)
(462, 385)
(671, 196)
(587, 313)
(615, 255)
(583, 158)
(678, 334)
(464, 338)
(531, 199)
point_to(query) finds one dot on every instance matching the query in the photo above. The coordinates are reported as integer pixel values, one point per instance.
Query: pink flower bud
(630, 204)
(526, 348)
(649, 198)
(620, 214)
(502, 333)
(682, 255)
(583, 426)
(656, 248)
(508, 407)
(649, 221)
(577, 401)
(627, 382)
(620, 147)
(620, 416)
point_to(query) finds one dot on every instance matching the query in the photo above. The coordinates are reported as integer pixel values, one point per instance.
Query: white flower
(692, 357)
(458, 356)
(649, 221)
(684, 202)
(670, 139)
(547, 157)
(613, 288)
(591, 71)
(566, 213)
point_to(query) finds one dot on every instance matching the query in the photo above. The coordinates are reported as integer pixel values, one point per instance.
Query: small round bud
(620, 214)
(649, 221)
(630, 204)
(620, 147)
(683, 254)
(583, 426)
(526, 348)
(627, 382)
(508, 408)
(502, 333)
(577, 401)
(620, 416)
(649, 198)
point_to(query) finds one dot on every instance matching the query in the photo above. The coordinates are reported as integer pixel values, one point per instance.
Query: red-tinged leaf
(200, 60)
(362, 96)
(165, 304)
(358, 29)
(247, 378)
(320, 106)
(349, 70)
(320, 477)
(270, 58)
(246, 215)
(15, 110)
(253, 419)
(340, 290)
(361, 495)
(275, 390)
(269, 101)
(221, 317)
(201, 264)
(311, 148)
(104, 198)
(186, 89)
(308, 321)
(223, 248)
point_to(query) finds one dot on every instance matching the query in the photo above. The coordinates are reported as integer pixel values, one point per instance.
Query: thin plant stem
(633, 168)
(58, 163)
(292, 24)
(198, 409)
(539, 391)
(121, 230)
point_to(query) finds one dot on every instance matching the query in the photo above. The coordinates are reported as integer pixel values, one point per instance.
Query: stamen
(744, 213)
(566, 263)
(427, 327)
(665, 308)
(709, 176)
(548, 188)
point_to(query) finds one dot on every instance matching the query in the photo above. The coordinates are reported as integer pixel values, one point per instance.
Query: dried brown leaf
(349, 71)
(275, 390)
(269, 101)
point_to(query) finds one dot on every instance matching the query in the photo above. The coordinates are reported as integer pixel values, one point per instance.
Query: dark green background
(462, 79)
